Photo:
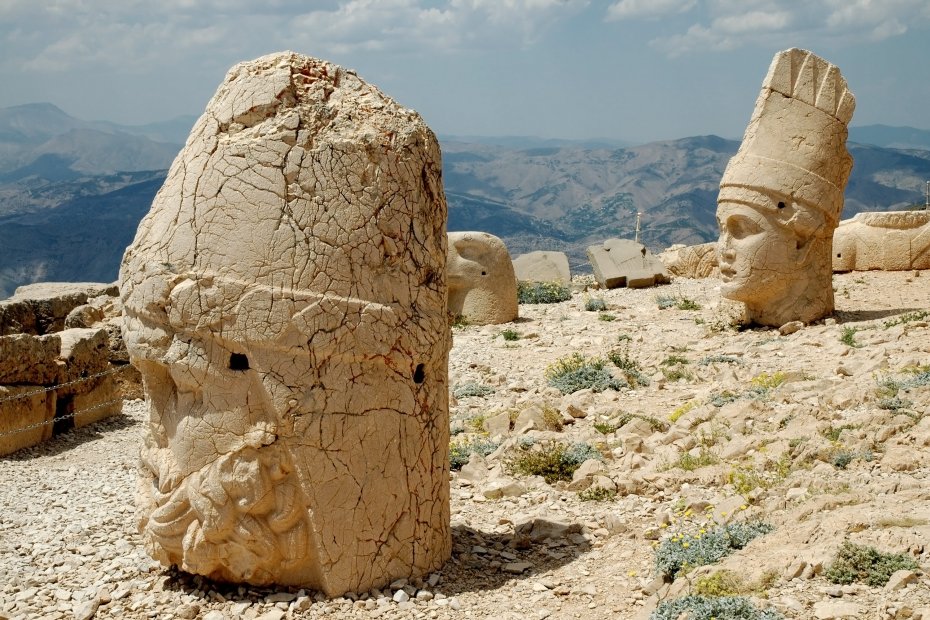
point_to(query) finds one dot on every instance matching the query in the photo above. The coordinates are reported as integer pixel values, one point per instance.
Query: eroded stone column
(782, 193)
(285, 300)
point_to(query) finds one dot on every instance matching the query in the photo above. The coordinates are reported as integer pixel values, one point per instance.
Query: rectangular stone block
(29, 359)
(94, 402)
(84, 351)
(23, 412)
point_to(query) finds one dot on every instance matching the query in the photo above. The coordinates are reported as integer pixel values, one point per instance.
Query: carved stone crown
(795, 144)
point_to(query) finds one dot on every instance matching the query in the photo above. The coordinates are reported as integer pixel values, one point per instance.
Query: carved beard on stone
(249, 465)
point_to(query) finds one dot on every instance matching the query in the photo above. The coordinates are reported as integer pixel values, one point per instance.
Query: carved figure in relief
(782, 193)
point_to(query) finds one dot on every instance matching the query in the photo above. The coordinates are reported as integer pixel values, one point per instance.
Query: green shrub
(720, 583)
(712, 608)
(687, 304)
(459, 321)
(461, 451)
(595, 304)
(605, 428)
(842, 458)
(720, 359)
(682, 410)
(673, 360)
(723, 398)
(576, 372)
(665, 301)
(689, 462)
(542, 292)
(833, 432)
(552, 460)
(597, 494)
(856, 563)
(848, 337)
(606, 317)
(510, 335)
(631, 369)
(907, 317)
(682, 552)
(471, 388)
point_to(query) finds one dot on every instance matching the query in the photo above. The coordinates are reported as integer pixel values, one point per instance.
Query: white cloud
(630, 9)
(731, 24)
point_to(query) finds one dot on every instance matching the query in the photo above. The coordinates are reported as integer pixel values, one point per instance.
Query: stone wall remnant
(623, 262)
(482, 284)
(285, 300)
(886, 240)
(542, 266)
(53, 376)
(781, 195)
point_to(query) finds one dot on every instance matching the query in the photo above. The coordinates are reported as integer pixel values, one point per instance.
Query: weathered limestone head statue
(782, 193)
(285, 301)
(482, 283)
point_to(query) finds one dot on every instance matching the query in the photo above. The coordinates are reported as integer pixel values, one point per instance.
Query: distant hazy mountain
(30, 131)
(61, 220)
(891, 137)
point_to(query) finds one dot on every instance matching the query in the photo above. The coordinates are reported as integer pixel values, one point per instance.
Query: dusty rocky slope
(821, 439)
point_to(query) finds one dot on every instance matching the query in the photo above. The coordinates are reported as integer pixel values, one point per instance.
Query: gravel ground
(69, 549)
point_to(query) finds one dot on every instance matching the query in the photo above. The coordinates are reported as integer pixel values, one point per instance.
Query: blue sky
(639, 70)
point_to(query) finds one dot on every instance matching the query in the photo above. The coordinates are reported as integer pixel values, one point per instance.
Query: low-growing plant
(552, 419)
(894, 404)
(765, 381)
(682, 410)
(720, 583)
(665, 301)
(595, 304)
(907, 317)
(673, 360)
(654, 423)
(476, 423)
(697, 607)
(720, 359)
(552, 460)
(629, 367)
(576, 372)
(542, 292)
(690, 462)
(722, 398)
(833, 433)
(605, 428)
(842, 458)
(606, 317)
(597, 494)
(683, 552)
(687, 304)
(461, 451)
(746, 478)
(459, 321)
(676, 373)
(510, 335)
(848, 337)
(863, 564)
(471, 388)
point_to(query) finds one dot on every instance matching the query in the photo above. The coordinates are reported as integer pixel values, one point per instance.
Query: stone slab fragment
(622, 262)
(542, 266)
(41, 308)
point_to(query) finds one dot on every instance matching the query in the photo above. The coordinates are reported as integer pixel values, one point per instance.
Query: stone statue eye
(741, 227)
(238, 361)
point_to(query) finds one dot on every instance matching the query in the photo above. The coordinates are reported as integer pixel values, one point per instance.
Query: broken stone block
(29, 359)
(19, 411)
(542, 266)
(622, 262)
(482, 284)
(691, 261)
(285, 301)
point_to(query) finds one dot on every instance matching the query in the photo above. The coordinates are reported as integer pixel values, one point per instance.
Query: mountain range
(72, 192)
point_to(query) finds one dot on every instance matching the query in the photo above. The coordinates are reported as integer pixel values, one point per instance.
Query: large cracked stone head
(782, 193)
(285, 301)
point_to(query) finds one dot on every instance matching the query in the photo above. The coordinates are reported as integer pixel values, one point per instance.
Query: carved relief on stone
(482, 283)
(889, 240)
(285, 300)
(782, 193)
